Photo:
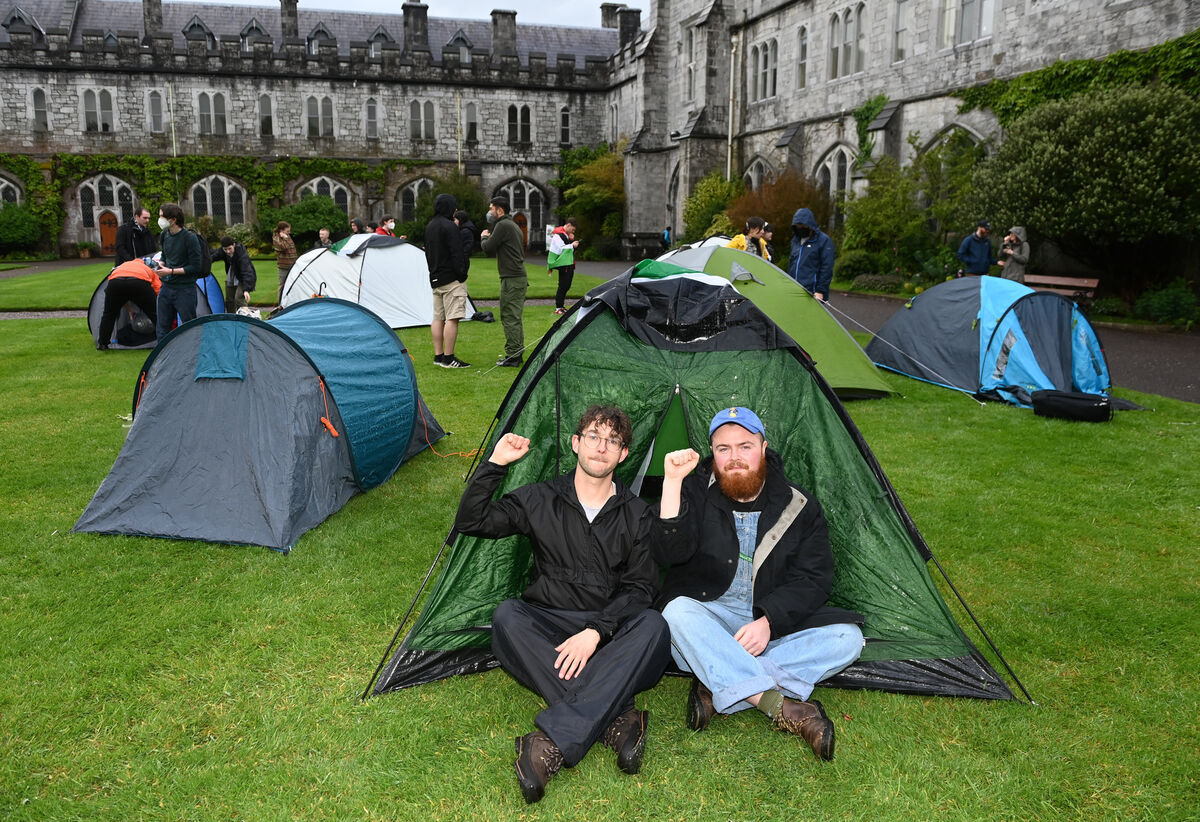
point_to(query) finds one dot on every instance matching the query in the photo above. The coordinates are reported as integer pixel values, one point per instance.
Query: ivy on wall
(42, 195)
(1172, 63)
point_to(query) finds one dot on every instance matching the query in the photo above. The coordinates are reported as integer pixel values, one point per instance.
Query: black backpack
(205, 255)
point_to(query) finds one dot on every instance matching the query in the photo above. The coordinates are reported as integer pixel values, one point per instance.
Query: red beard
(742, 486)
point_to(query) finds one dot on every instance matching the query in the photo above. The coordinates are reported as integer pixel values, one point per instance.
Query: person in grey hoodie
(1014, 254)
(811, 263)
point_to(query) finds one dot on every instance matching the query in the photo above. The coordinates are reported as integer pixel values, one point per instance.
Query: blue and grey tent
(993, 338)
(254, 432)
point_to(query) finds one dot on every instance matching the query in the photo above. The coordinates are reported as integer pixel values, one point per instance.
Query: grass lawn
(72, 288)
(156, 679)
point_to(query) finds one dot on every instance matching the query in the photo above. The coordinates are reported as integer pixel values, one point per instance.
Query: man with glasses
(582, 635)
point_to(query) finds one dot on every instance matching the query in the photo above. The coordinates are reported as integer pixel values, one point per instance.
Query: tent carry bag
(1072, 405)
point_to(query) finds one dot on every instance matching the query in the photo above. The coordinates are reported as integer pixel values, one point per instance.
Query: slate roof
(228, 21)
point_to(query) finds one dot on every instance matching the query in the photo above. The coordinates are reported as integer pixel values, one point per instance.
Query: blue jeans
(702, 642)
(175, 299)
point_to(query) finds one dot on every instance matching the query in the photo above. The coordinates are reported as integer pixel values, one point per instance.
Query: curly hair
(609, 415)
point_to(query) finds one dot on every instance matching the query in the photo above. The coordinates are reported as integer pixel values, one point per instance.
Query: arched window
(266, 122)
(757, 173)
(860, 44)
(770, 68)
(326, 187)
(420, 120)
(220, 198)
(833, 173)
(371, 118)
(848, 40)
(212, 114)
(471, 123)
(154, 112)
(519, 124)
(835, 46)
(802, 58)
(752, 75)
(564, 125)
(526, 198)
(196, 28)
(97, 111)
(320, 116)
(104, 193)
(407, 196)
(900, 34)
(41, 116)
(9, 192)
(690, 81)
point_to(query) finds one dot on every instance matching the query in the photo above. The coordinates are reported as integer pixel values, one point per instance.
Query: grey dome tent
(209, 300)
(672, 350)
(254, 432)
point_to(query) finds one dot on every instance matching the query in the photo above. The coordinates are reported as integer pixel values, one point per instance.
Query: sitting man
(748, 580)
(582, 635)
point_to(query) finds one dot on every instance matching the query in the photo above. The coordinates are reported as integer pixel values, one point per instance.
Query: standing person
(582, 634)
(323, 240)
(975, 251)
(665, 241)
(752, 239)
(285, 252)
(767, 235)
(811, 263)
(134, 239)
(240, 275)
(181, 264)
(387, 226)
(747, 588)
(447, 274)
(561, 259)
(507, 243)
(466, 230)
(1014, 254)
(357, 226)
(131, 282)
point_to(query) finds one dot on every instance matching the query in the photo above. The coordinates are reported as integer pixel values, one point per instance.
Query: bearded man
(749, 573)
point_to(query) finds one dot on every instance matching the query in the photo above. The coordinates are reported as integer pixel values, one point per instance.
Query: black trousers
(580, 709)
(119, 291)
(565, 275)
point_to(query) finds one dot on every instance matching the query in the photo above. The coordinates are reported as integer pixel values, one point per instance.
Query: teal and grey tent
(993, 338)
(254, 432)
(672, 350)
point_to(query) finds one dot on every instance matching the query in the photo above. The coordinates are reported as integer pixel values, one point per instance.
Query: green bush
(708, 200)
(245, 234)
(19, 227)
(887, 283)
(307, 217)
(467, 194)
(1110, 307)
(851, 265)
(1175, 304)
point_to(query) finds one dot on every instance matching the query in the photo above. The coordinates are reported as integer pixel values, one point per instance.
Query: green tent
(672, 349)
(805, 319)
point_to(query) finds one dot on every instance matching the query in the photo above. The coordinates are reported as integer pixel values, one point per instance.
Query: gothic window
(860, 45)
(462, 44)
(211, 121)
(802, 58)
(752, 79)
(41, 116)
(154, 111)
(471, 123)
(613, 122)
(833, 173)
(690, 82)
(104, 193)
(9, 193)
(252, 31)
(97, 111)
(371, 117)
(835, 45)
(318, 35)
(195, 27)
(768, 70)
(420, 120)
(408, 195)
(266, 122)
(900, 35)
(110, 40)
(19, 17)
(220, 198)
(758, 172)
(519, 128)
(975, 19)
(325, 187)
(526, 198)
(319, 113)
(847, 41)
(564, 125)
(947, 19)
(377, 39)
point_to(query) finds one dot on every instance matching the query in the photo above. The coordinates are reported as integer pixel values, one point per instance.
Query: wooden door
(108, 234)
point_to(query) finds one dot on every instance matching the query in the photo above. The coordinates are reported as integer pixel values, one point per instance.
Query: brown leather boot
(700, 708)
(627, 736)
(808, 721)
(538, 759)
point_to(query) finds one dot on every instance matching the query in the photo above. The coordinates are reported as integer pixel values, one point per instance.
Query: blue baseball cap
(741, 416)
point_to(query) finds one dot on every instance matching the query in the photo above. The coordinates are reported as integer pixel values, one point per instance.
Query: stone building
(749, 86)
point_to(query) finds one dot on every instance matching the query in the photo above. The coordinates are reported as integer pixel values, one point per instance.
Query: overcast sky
(546, 12)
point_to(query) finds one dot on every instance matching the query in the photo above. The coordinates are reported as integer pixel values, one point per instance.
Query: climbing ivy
(41, 195)
(1172, 64)
(863, 115)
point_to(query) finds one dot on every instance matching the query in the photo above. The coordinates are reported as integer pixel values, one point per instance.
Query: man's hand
(754, 636)
(485, 233)
(575, 653)
(678, 464)
(509, 449)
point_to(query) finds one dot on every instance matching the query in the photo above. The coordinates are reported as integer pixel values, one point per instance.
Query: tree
(592, 184)
(466, 192)
(708, 201)
(776, 201)
(307, 218)
(1112, 177)
(20, 228)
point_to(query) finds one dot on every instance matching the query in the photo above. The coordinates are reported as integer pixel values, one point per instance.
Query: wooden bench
(1077, 288)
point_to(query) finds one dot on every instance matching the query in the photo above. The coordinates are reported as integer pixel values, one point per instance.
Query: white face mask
(391, 226)
(164, 223)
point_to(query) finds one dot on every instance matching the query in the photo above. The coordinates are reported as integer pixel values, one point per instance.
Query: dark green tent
(672, 352)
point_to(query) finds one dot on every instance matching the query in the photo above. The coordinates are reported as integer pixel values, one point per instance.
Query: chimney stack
(289, 19)
(504, 32)
(151, 17)
(629, 23)
(608, 14)
(416, 27)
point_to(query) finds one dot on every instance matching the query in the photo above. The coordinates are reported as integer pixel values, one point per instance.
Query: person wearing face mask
(181, 264)
(811, 263)
(387, 227)
(507, 243)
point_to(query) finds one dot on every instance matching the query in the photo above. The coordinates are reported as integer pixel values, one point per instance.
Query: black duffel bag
(1072, 405)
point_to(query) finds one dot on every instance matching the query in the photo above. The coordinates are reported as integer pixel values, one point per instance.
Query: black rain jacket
(443, 244)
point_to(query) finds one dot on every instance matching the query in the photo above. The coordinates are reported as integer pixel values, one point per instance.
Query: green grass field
(153, 679)
(72, 288)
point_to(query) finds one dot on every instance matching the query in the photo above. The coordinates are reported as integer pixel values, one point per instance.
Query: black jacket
(238, 268)
(134, 242)
(604, 565)
(443, 244)
(795, 570)
(467, 231)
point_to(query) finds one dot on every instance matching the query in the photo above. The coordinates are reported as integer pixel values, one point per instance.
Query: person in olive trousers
(506, 243)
